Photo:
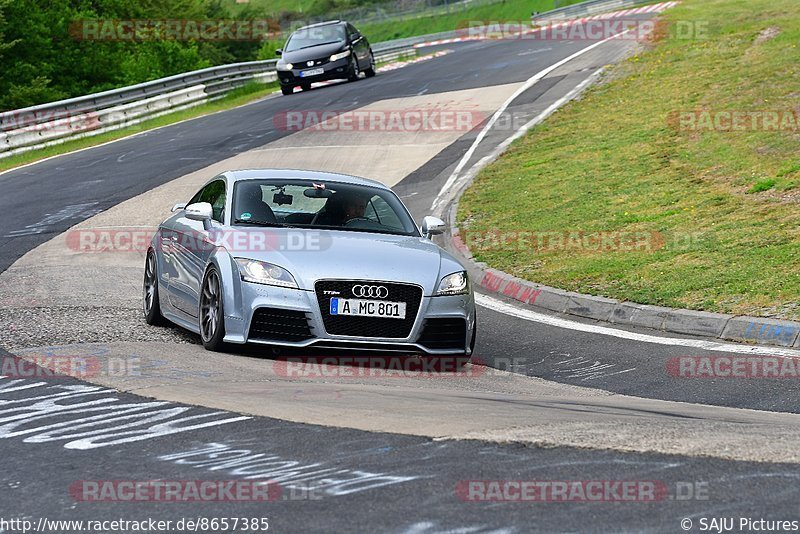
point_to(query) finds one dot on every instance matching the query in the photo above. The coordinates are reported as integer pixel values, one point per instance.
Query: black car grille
(274, 324)
(444, 333)
(349, 325)
(303, 65)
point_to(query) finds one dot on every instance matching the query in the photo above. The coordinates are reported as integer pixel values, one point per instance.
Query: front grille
(444, 333)
(348, 325)
(275, 324)
(302, 65)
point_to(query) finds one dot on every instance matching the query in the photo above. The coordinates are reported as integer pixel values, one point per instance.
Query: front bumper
(332, 70)
(282, 324)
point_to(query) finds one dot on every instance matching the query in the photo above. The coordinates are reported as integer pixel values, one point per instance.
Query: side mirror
(279, 52)
(178, 207)
(432, 226)
(199, 211)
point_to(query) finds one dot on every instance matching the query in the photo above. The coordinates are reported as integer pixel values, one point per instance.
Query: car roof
(314, 176)
(318, 24)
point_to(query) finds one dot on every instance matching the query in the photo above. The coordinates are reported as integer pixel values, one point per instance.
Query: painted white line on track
(530, 82)
(456, 186)
(536, 317)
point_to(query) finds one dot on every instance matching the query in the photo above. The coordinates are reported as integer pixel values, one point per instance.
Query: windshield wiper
(312, 45)
(256, 222)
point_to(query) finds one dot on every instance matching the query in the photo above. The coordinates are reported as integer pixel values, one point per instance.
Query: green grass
(237, 97)
(763, 185)
(511, 10)
(724, 207)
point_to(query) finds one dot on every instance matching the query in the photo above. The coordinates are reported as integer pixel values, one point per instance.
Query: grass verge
(713, 215)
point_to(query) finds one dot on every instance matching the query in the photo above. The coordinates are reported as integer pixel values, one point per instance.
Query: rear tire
(212, 318)
(151, 303)
(287, 90)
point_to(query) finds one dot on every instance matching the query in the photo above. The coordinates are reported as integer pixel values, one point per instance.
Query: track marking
(530, 82)
(536, 317)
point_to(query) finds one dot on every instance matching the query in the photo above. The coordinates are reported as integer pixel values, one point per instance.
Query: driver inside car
(342, 207)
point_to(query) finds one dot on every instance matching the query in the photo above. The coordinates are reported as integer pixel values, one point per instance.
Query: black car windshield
(328, 205)
(315, 36)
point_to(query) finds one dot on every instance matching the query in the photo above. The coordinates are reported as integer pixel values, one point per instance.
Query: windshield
(307, 204)
(315, 36)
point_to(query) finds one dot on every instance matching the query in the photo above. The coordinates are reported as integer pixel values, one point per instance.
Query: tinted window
(214, 194)
(314, 36)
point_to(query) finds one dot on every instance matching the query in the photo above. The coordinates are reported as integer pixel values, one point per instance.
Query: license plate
(312, 72)
(368, 308)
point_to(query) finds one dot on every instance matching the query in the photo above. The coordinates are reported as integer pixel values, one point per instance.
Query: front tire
(306, 87)
(212, 322)
(354, 70)
(151, 303)
(370, 72)
(287, 90)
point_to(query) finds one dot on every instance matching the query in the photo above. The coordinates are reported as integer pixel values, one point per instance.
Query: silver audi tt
(293, 258)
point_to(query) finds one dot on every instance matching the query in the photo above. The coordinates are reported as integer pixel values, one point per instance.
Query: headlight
(284, 66)
(454, 284)
(340, 55)
(261, 272)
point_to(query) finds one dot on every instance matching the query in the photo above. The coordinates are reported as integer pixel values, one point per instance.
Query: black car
(325, 51)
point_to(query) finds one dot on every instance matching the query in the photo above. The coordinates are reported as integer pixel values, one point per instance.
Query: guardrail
(56, 122)
(48, 124)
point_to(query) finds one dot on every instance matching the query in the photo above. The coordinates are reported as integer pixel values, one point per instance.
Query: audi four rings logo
(373, 292)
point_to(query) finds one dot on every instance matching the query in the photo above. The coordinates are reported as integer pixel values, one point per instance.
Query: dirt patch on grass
(767, 34)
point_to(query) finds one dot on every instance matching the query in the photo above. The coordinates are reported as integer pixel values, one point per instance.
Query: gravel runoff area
(64, 325)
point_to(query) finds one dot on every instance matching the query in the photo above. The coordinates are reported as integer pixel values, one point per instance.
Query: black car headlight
(284, 66)
(454, 284)
(340, 55)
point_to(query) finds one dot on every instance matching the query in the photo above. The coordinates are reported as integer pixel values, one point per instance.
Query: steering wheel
(357, 219)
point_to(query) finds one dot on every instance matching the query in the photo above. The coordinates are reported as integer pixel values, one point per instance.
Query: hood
(315, 52)
(330, 254)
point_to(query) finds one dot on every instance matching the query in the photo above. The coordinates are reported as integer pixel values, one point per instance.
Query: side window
(214, 194)
(216, 197)
(381, 212)
(352, 33)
